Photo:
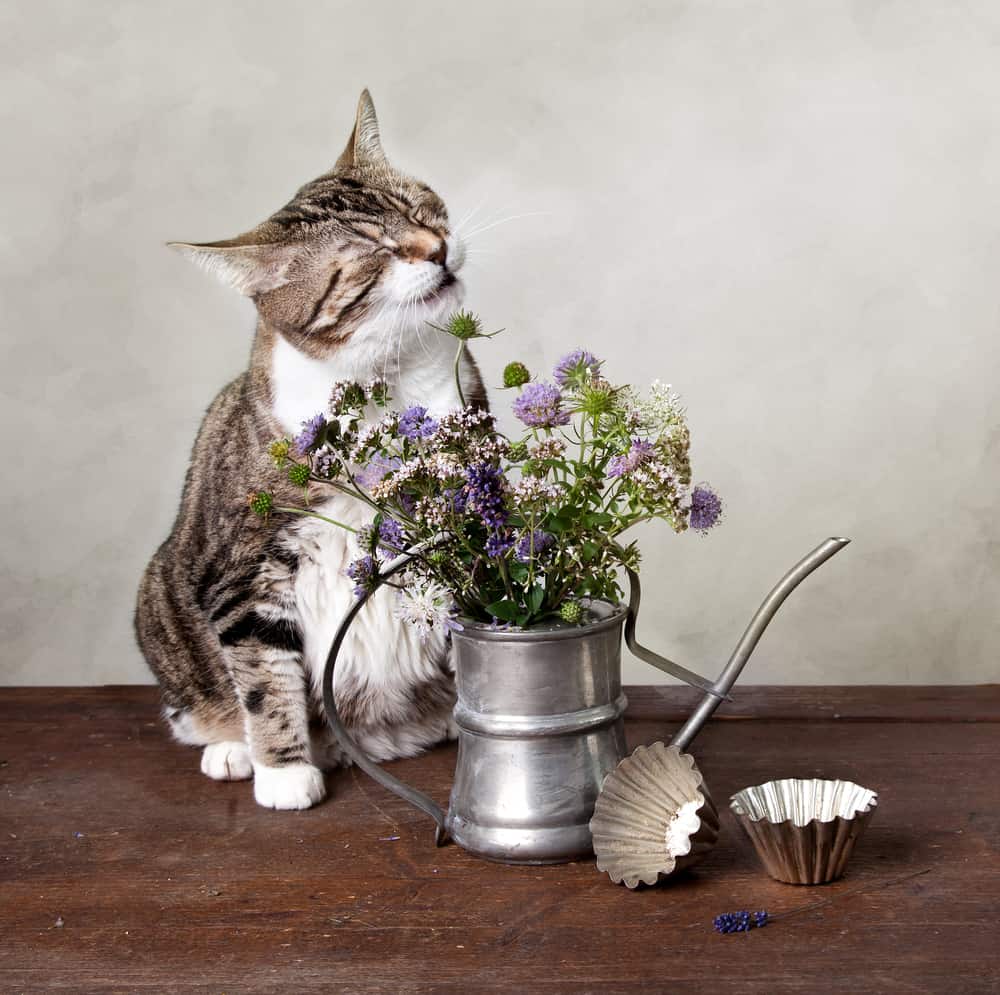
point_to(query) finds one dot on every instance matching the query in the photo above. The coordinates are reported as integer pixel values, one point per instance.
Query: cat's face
(362, 251)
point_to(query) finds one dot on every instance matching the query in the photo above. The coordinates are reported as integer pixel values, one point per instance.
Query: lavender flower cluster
(740, 922)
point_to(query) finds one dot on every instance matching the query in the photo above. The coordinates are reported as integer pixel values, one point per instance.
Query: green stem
(355, 491)
(314, 514)
(634, 521)
(562, 592)
(458, 377)
(505, 575)
(531, 549)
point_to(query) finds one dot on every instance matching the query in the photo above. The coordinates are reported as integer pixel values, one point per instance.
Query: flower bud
(518, 451)
(597, 398)
(464, 325)
(515, 375)
(279, 450)
(260, 503)
(298, 474)
(572, 612)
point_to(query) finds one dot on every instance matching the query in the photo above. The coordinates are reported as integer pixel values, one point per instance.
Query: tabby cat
(235, 616)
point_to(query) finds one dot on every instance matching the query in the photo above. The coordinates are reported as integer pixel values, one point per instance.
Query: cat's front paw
(294, 786)
(227, 761)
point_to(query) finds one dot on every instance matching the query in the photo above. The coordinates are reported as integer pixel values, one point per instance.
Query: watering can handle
(416, 798)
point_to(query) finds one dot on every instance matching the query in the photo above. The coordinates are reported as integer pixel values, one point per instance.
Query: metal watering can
(540, 719)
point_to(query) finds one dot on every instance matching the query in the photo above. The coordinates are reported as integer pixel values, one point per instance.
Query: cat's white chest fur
(382, 657)
(419, 374)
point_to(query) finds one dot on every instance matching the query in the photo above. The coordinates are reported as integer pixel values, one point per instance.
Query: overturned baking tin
(653, 818)
(804, 830)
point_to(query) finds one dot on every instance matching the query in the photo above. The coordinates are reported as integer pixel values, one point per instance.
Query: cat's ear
(249, 263)
(364, 147)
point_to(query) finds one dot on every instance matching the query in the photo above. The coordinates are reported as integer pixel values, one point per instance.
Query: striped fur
(235, 616)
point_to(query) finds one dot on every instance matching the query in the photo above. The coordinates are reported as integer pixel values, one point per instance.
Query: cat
(235, 616)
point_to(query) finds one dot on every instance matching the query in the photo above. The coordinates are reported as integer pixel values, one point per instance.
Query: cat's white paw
(227, 761)
(290, 787)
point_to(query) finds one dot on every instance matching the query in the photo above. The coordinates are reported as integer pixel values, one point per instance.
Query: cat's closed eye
(367, 230)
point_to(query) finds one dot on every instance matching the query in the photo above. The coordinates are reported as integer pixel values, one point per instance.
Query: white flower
(445, 466)
(427, 606)
(487, 449)
(433, 511)
(660, 412)
(456, 426)
(536, 489)
(551, 448)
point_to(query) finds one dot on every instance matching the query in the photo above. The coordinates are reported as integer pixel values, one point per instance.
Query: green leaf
(504, 610)
(535, 597)
(519, 572)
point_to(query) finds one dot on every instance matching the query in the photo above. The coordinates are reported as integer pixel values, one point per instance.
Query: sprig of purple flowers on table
(740, 922)
(526, 527)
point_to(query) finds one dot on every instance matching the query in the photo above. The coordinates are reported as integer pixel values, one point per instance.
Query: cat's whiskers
(420, 339)
(385, 340)
(503, 221)
(398, 325)
(399, 334)
(466, 218)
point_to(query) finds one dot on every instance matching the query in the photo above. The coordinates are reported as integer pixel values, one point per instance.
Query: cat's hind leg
(200, 704)
(227, 761)
(225, 755)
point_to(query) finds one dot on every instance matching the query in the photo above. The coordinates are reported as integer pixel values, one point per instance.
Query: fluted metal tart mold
(804, 831)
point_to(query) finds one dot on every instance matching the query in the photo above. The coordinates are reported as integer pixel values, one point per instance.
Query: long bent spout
(750, 638)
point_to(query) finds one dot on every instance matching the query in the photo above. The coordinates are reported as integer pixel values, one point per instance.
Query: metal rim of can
(474, 630)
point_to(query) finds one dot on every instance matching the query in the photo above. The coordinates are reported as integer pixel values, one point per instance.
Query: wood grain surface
(124, 869)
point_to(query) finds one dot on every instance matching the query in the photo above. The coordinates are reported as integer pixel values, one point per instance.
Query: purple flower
(390, 537)
(458, 497)
(310, 434)
(533, 544)
(498, 543)
(639, 452)
(364, 572)
(414, 423)
(390, 534)
(484, 494)
(706, 508)
(326, 462)
(740, 922)
(374, 470)
(572, 367)
(539, 406)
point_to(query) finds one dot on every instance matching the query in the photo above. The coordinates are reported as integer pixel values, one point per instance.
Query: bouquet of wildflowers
(518, 530)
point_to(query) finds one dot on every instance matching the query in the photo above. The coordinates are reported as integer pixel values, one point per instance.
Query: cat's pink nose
(421, 245)
(440, 254)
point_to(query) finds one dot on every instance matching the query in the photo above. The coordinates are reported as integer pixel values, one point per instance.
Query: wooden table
(124, 869)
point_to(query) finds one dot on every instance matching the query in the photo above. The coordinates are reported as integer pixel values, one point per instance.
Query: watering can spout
(751, 636)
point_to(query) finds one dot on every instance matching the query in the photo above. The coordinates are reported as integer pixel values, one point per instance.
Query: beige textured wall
(788, 209)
